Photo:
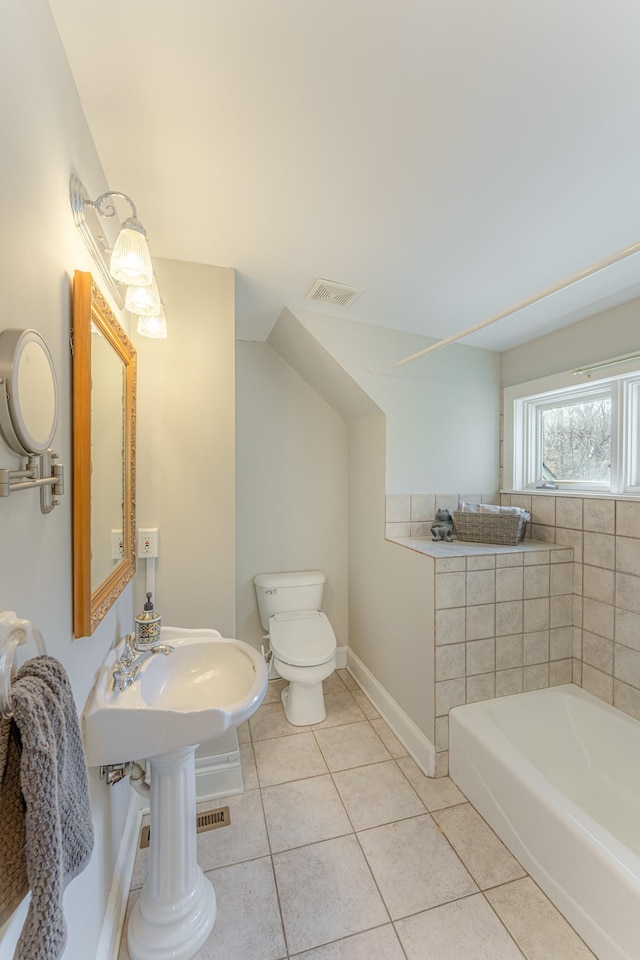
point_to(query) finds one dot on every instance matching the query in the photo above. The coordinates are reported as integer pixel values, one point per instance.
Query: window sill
(582, 494)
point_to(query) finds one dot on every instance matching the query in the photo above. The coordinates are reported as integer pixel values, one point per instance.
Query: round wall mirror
(28, 392)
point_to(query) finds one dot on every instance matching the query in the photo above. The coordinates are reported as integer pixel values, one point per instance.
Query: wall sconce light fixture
(154, 326)
(121, 253)
(144, 301)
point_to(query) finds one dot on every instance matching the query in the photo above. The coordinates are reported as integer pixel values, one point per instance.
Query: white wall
(45, 139)
(612, 333)
(186, 447)
(291, 495)
(443, 411)
(390, 588)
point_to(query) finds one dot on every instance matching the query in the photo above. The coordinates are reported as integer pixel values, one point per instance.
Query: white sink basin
(207, 685)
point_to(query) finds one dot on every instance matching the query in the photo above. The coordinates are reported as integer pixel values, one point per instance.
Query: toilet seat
(302, 638)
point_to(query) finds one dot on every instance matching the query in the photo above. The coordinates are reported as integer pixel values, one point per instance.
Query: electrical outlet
(148, 542)
(117, 545)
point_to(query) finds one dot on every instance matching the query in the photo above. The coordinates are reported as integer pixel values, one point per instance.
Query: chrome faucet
(127, 668)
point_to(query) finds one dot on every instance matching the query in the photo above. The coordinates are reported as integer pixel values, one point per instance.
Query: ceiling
(450, 158)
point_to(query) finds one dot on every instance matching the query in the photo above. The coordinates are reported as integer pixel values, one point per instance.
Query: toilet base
(303, 705)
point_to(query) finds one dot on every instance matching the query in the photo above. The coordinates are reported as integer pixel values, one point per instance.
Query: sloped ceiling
(452, 159)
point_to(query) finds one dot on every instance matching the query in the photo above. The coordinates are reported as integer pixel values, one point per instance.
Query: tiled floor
(341, 849)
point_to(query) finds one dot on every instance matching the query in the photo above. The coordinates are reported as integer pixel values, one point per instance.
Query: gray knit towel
(46, 833)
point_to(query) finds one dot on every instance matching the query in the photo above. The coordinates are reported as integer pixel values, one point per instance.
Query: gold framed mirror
(104, 441)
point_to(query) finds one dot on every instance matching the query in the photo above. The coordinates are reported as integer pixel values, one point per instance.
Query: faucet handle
(121, 679)
(129, 653)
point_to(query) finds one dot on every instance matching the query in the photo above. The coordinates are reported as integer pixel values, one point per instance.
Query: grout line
(501, 921)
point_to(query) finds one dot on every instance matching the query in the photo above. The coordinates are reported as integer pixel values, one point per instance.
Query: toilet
(301, 639)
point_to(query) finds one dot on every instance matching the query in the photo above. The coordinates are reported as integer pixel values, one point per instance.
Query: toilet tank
(281, 592)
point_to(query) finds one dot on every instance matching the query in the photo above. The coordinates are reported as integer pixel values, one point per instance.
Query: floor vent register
(209, 820)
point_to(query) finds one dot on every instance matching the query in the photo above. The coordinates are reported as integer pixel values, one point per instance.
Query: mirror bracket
(29, 415)
(39, 471)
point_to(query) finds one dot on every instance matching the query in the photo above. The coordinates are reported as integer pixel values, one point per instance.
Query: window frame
(523, 405)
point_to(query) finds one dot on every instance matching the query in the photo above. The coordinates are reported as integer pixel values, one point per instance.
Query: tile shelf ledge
(463, 548)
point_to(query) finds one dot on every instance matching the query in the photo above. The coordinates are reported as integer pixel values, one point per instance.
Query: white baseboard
(341, 658)
(113, 923)
(218, 776)
(409, 735)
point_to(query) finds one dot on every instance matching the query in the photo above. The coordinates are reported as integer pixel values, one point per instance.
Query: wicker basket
(490, 527)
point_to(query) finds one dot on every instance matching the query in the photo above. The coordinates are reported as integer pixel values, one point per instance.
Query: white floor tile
(341, 708)
(347, 679)
(274, 690)
(269, 721)
(379, 944)
(248, 923)
(462, 930)
(288, 758)
(534, 923)
(333, 684)
(377, 794)
(482, 852)
(351, 746)
(365, 704)
(248, 764)
(414, 866)
(388, 737)
(435, 792)
(326, 893)
(305, 811)
(244, 734)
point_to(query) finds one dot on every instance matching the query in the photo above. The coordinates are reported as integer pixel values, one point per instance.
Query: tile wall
(605, 536)
(511, 622)
(504, 624)
(411, 514)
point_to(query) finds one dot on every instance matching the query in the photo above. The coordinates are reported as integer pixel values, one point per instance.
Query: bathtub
(556, 773)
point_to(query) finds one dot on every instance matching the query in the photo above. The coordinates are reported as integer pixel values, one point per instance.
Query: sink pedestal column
(176, 910)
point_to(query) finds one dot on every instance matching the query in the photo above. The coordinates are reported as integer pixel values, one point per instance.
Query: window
(580, 437)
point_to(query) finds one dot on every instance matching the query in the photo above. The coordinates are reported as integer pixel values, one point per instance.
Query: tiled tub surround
(341, 849)
(504, 624)
(604, 534)
(593, 567)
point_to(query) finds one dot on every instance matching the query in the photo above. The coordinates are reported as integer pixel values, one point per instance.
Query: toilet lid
(303, 638)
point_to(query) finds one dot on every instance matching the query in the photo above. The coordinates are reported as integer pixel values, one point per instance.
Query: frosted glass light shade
(130, 258)
(145, 301)
(153, 327)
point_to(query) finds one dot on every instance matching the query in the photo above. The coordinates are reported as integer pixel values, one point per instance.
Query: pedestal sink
(207, 685)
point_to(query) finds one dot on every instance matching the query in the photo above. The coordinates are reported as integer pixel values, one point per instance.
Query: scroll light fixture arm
(108, 210)
(126, 242)
(86, 215)
(529, 301)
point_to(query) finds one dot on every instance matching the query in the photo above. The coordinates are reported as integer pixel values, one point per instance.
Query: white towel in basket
(492, 508)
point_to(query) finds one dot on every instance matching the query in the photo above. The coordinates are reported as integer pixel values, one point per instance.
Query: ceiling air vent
(339, 294)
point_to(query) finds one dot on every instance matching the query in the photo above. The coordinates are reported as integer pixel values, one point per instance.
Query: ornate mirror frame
(90, 604)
